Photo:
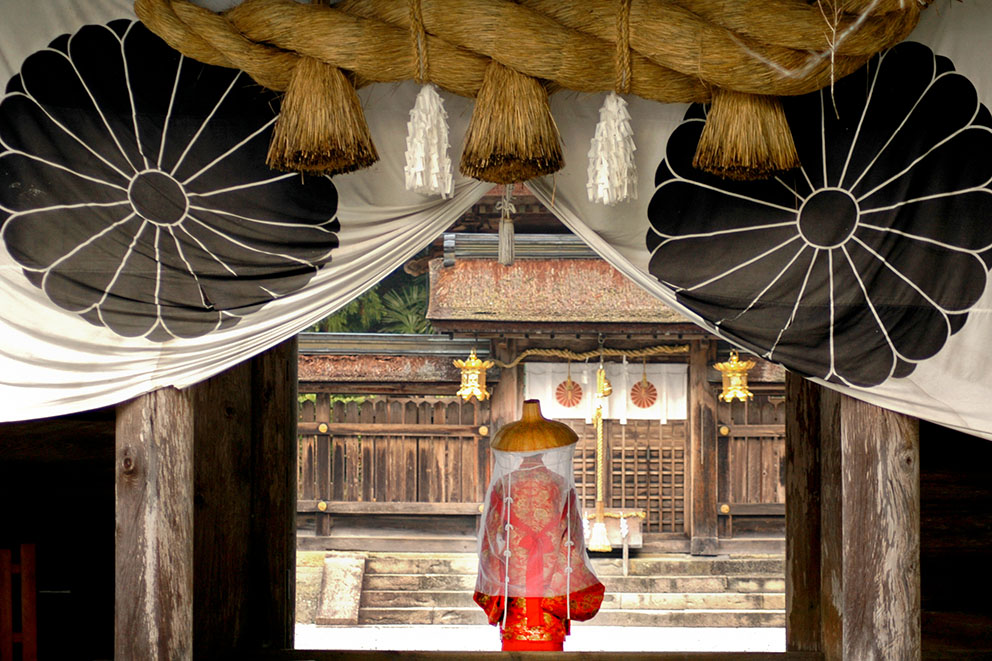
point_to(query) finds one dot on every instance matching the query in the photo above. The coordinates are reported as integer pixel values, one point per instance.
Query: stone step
(605, 617)
(419, 581)
(411, 598)
(690, 618)
(473, 615)
(669, 584)
(663, 566)
(617, 584)
(690, 566)
(697, 601)
(611, 601)
(408, 563)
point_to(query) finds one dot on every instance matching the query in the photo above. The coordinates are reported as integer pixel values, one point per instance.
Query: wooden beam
(802, 515)
(862, 532)
(406, 509)
(154, 539)
(222, 492)
(506, 403)
(386, 429)
(880, 482)
(272, 581)
(703, 451)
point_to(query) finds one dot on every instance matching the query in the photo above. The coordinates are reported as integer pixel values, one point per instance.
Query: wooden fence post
(154, 538)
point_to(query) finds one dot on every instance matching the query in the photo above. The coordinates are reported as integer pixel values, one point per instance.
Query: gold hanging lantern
(473, 377)
(735, 378)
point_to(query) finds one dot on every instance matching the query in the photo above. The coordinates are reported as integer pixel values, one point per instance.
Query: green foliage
(361, 315)
(397, 304)
(405, 310)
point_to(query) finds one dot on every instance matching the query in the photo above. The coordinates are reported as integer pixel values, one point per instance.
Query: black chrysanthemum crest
(134, 190)
(863, 262)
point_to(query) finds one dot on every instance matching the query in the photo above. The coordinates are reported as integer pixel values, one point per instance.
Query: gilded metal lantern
(735, 378)
(473, 377)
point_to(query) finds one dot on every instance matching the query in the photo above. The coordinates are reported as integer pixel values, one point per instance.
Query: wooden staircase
(670, 590)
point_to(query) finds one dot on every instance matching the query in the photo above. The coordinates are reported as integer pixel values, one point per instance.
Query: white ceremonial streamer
(612, 171)
(428, 166)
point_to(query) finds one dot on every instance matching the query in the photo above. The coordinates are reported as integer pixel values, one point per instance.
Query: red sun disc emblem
(643, 394)
(568, 393)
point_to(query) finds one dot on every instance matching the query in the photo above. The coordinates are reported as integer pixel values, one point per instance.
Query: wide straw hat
(533, 432)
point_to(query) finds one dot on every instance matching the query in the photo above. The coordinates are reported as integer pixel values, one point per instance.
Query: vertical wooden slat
(754, 467)
(6, 606)
(154, 540)
(308, 454)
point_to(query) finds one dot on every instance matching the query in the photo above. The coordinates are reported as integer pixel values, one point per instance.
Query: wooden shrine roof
(563, 291)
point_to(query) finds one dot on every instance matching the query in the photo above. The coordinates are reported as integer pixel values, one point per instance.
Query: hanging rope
(660, 350)
(658, 51)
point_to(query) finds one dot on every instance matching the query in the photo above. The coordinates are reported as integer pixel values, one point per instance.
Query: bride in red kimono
(534, 574)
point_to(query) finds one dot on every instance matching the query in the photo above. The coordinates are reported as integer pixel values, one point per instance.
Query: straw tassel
(321, 127)
(428, 166)
(746, 137)
(512, 136)
(612, 171)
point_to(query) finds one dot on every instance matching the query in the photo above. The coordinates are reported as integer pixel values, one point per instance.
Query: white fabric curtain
(662, 399)
(868, 269)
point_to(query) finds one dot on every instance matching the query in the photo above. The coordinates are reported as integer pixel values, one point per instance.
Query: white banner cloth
(144, 244)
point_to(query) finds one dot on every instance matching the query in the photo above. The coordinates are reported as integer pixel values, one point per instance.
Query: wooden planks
(154, 539)
(395, 450)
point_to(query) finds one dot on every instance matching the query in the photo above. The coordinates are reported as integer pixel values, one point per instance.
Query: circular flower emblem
(862, 262)
(134, 190)
(643, 394)
(568, 393)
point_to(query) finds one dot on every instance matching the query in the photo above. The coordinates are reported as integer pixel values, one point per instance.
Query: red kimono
(533, 514)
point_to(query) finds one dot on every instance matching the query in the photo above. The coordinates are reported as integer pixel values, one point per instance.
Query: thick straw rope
(659, 350)
(679, 48)
(509, 55)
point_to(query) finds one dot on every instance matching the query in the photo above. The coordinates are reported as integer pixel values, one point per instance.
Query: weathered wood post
(206, 489)
(853, 571)
(154, 537)
(702, 451)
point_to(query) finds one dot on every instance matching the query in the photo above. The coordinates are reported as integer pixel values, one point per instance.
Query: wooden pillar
(702, 451)
(154, 538)
(272, 582)
(802, 514)
(853, 591)
(222, 521)
(206, 489)
(508, 395)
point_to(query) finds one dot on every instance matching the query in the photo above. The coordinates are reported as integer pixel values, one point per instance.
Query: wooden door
(751, 466)
(646, 469)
